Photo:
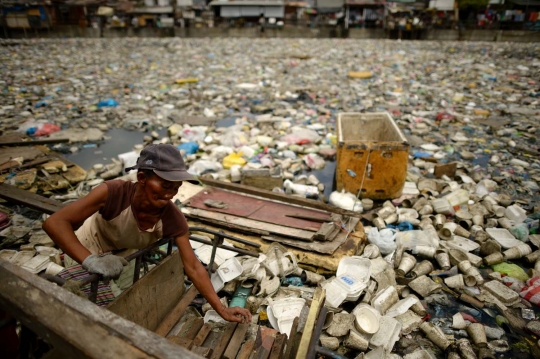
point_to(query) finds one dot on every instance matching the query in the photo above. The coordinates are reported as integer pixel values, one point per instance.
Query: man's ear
(141, 178)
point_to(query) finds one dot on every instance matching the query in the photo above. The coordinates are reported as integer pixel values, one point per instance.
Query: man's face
(160, 191)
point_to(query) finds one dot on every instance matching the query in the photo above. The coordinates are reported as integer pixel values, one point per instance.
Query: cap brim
(176, 176)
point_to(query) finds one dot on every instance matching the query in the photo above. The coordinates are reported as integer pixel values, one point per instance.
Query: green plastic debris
(511, 270)
(501, 320)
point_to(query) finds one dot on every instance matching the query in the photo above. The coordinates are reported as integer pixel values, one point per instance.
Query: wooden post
(318, 301)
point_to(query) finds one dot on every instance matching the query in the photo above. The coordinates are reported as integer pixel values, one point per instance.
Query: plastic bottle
(307, 191)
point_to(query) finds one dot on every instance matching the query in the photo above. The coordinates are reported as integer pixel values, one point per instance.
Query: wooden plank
(202, 351)
(236, 341)
(183, 342)
(248, 224)
(303, 202)
(191, 328)
(170, 320)
(203, 333)
(316, 305)
(28, 153)
(263, 352)
(74, 325)
(35, 142)
(224, 341)
(16, 195)
(294, 341)
(318, 260)
(140, 304)
(326, 247)
(247, 350)
(277, 348)
(326, 232)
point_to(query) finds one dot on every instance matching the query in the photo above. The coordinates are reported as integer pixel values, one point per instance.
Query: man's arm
(59, 226)
(198, 275)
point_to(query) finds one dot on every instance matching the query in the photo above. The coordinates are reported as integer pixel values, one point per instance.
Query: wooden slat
(167, 279)
(202, 351)
(263, 352)
(170, 320)
(247, 350)
(35, 142)
(247, 224)
(278, 347)
(16, 195)
(316, 305)
(75, 326)
(183, 342)
(203, 333)
(309, 203)
(191, 328)
(236, 341)
(294, 341)
(225, 339)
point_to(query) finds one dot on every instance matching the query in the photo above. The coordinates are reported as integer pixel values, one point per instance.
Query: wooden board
(202, 351)
(294, 341)
(191, 328)
(203, 333)
(247, 224)
(15, 195)
(263, 352)
(316, 304)
(326, 247)
(259, 209)
(28, 153)
(183, 342)
(285, 198)
(278, 347)
(247, 350)
(224, 341)
(75, 326)
(236, 341)
(172, 318)
(317, 260)
(140, 304)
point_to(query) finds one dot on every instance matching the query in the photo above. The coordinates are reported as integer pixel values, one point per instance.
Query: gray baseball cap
(166, 161)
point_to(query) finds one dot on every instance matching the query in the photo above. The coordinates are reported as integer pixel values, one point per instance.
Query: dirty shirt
(115, 227)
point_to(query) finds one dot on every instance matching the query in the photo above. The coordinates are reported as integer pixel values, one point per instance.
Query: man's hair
(147, 173)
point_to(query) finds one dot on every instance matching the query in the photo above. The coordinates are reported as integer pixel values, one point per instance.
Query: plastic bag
(532, 291)
(301, 136)
(511, 270)
(200, 167)
(221, 152)
(46, 130)
(233, 159)
(234, 137)
(345, 200)
(189, 147)
(314, 161)
(193, 134)
(385, 239)
(107, 103)
(521, 232)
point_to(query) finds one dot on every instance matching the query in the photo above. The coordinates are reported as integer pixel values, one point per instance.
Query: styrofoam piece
(366, 318)
(213, 316)
(204, 253)
(385, 299)
(230, 269)
(7, 254)
(387, 335)
(410, 322)
(53, 268)
(22, 257)
(353, 275)
(37, 264)
(217, 282)
(129, 159)
(401, 307)
(419, 354)
(463, 243)
(283, 312)
(335, 295)
(503, 237)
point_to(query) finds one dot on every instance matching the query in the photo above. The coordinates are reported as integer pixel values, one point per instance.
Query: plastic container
(366, 319)
(515, 213)
(442, 206)
(353, 275)
(230, 269)
(372, 146)
(335, 295)
(281, 313)
(458, 197)
(305, 190)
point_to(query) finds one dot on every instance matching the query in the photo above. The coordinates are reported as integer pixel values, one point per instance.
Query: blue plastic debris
(188, 147)
(107, 103)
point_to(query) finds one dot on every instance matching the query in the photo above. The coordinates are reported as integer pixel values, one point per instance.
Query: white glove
(109, 266)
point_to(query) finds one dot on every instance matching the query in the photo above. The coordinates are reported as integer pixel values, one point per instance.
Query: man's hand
(110, 266)
(236, 314)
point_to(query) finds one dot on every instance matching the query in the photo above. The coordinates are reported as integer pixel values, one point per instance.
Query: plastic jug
(515, 213)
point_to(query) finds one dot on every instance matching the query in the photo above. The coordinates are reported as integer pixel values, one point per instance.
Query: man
(121, 215)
